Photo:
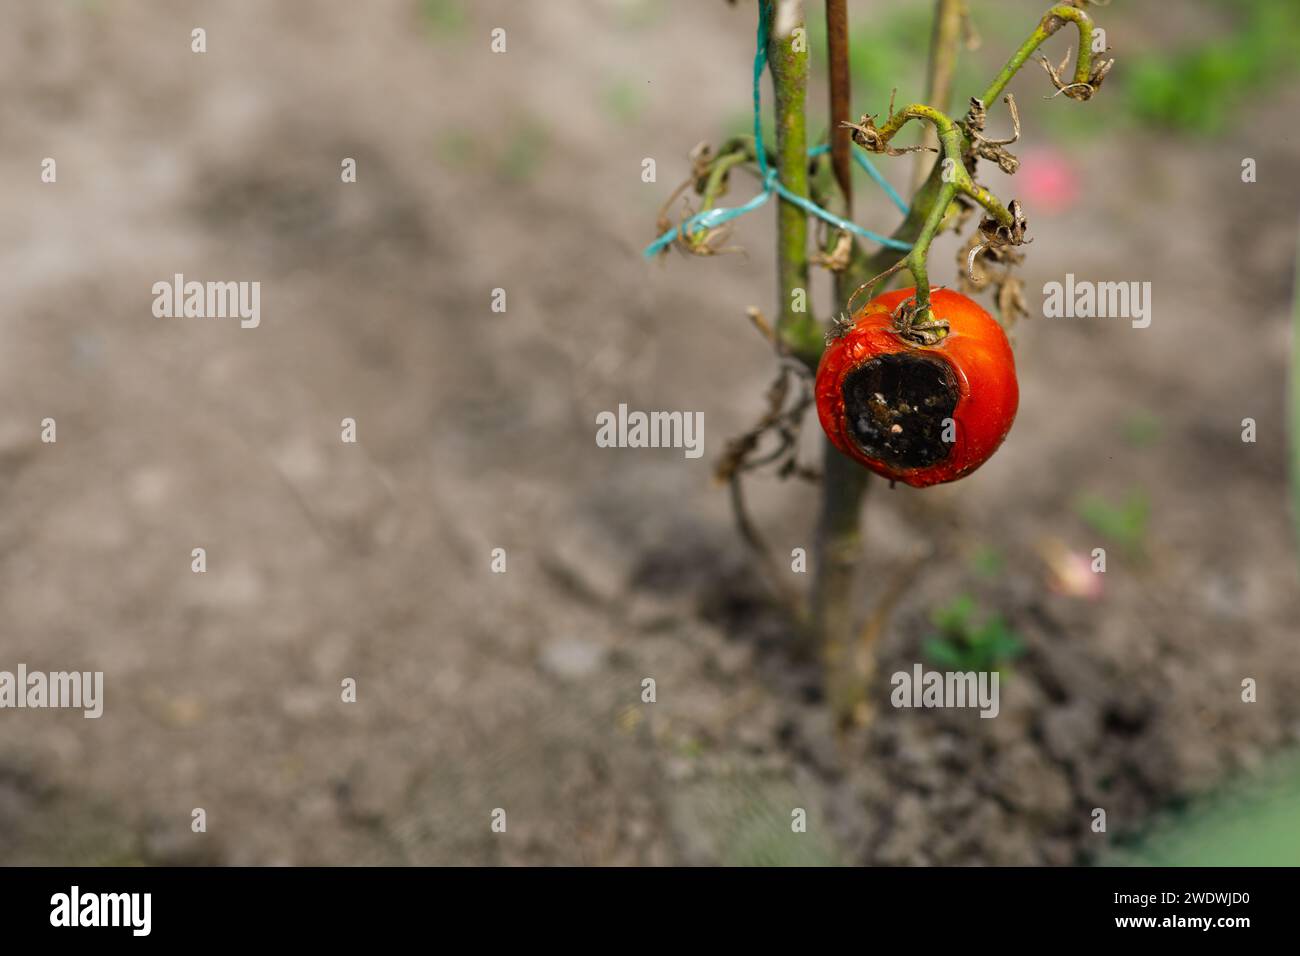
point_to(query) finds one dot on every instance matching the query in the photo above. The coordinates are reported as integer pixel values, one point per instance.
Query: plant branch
(716, 183)
(789, 67)
(1086, 79)
(953, 179)
(838, 549)
(837, 47)
(839, 537)
(949, 16)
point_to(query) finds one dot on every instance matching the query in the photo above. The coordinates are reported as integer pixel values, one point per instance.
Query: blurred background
(522, 691)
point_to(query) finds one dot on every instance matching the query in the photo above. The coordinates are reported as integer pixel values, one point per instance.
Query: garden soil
(478, 691)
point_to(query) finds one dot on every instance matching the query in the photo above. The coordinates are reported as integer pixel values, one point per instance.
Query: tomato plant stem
(829, 626)
(714, 185)
(838, 544)
(1052, 21)
(787, 57)
(948, 16)
(838, 547)
(916, 259)
(953, 177)
(841, 86)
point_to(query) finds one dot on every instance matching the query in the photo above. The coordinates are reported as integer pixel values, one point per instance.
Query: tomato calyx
(917, 325)
(841, 326)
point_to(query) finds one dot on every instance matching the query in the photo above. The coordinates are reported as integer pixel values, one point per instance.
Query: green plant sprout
(1142, 429)
(987, 562)
(623, 101)
(443, 16)
(522, 156)
(1125, 523)
(964, 645)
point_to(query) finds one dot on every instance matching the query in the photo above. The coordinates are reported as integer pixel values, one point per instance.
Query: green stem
(713, 187)
(1052, 21)
(942, 122)
(839, 543)
(953, 178)
(944, 42)
(848, 665)
(798, 330)
(916, 259)
(910, 228)
(992, 205)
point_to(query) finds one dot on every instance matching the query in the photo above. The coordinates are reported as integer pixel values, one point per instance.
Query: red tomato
(920, 414)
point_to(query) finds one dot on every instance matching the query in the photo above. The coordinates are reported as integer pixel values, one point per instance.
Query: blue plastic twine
(711, 218)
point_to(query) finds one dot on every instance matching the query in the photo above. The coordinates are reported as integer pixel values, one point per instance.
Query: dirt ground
(522, 691)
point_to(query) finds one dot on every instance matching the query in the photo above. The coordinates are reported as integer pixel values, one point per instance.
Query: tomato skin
(983, 373)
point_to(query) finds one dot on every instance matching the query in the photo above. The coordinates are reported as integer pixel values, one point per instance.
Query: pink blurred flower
(1069, 572)
(1046, 180)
